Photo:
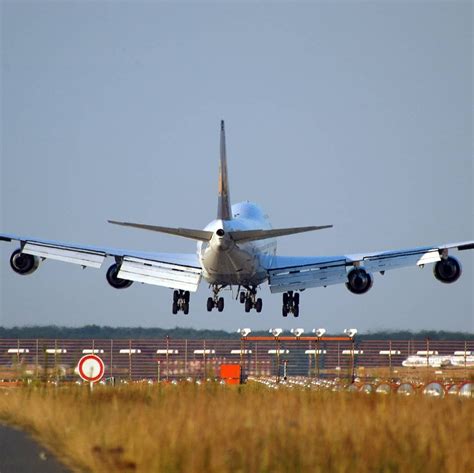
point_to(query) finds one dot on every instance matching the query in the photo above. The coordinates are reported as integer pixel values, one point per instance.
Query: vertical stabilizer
(223, 206)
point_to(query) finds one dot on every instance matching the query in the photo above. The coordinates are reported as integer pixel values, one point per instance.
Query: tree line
(106, 332)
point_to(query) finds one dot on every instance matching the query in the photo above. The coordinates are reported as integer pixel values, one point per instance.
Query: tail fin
(223, 204)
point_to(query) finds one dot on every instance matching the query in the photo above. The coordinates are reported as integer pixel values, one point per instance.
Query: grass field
(214, 428)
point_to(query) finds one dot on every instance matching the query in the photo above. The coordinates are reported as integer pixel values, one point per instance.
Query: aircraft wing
(173, 270)
(287, 273)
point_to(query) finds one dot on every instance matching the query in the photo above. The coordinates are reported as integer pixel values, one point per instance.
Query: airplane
(238, 248)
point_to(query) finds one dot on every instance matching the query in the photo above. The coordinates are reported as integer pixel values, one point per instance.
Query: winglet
(224, 211)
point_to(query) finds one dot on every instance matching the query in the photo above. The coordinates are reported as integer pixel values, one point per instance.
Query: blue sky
(346, 113)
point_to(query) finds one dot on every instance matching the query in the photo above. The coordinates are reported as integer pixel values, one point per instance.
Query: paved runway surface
(19, 453)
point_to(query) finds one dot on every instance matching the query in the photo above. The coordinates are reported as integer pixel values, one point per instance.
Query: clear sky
(357, 114)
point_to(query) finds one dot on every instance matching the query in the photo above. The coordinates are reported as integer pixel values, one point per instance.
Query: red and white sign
(91, 368)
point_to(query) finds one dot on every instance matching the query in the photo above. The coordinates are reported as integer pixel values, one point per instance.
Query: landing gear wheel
(210, 304)
(285, 298)
(220, 304)
(296, 298)
(248, 305)
(186, 308)
(284, 311)
(174, 308)
(175, 296)
(259, 305)
(187, 296)
(242, 297)
(296, 310)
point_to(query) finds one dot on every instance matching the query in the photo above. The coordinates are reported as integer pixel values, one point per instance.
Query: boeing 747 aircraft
(237, 249)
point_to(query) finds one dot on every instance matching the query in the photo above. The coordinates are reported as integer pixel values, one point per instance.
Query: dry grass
(213, 428)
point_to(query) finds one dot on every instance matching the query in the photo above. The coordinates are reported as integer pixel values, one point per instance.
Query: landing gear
(291, 304)
(215, 301)
(249, 298)
(180, 302)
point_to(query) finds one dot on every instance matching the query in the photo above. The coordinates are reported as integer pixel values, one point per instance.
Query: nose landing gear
(291, 304)
(180, 302)
(250, 300)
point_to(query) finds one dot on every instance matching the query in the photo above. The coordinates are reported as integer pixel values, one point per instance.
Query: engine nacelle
(23, 264)
(115, 281)
(359, 281)
(447, 270)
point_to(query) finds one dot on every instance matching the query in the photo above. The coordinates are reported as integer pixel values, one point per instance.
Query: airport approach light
(166, 352)
(244, 332)
(297, 332)
(130, 351)
(350, 332)
(276, 332)
(319, 332)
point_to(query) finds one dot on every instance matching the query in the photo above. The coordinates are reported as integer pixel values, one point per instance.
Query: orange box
(231, 373)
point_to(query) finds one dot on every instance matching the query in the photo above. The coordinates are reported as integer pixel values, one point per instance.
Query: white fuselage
(224, 262)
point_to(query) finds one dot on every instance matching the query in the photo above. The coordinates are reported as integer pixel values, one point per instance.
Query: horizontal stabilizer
(200, 235)
(252, 235)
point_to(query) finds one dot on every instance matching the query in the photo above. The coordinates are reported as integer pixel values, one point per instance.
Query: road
(19, 453)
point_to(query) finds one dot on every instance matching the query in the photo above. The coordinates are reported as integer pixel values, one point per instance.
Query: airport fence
(169, 359)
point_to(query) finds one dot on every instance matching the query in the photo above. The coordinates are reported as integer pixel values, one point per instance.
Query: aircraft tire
(220, 304)
(248, 305)
(259, 305)
(174, 308)
(210, 304)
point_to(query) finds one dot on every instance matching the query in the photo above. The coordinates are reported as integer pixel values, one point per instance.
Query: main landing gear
(249, 299)
(180, 302)
(215, 301)
(291, 304)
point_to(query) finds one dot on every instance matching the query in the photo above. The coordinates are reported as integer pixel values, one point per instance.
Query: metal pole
(55, 359)
(278, 359)
(427, 354)
(465, 358)
(112, 361)
(316, 355)
(256, 359)
(167, 357)
(352, 360)
(390, 356)
(204, 356)
(37, 359)
(186, 358)
(130, 360)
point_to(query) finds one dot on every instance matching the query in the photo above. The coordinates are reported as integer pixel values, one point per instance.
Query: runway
(21, 454)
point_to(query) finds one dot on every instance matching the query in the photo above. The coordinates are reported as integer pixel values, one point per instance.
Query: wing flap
(385, 262)
(160, 274)
(85, 258)
(304, 277)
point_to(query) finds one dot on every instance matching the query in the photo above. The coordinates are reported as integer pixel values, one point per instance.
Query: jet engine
(447, 270)
(114, 280)
(359, 281)
(22, 263)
